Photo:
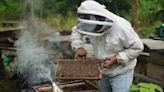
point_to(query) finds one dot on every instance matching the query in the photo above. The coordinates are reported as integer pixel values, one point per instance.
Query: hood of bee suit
(94, 8)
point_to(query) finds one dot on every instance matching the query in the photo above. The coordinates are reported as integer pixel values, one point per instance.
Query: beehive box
(74, 70)
(155, 68)
(77, 86)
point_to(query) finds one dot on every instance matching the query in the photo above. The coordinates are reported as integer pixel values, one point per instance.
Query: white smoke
(33, 61)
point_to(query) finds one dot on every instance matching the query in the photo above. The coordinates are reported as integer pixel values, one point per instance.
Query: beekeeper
(113, 40)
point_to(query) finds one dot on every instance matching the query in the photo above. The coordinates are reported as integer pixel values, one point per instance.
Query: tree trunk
(134, 15)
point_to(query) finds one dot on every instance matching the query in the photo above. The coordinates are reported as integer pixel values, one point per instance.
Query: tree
(134, 15)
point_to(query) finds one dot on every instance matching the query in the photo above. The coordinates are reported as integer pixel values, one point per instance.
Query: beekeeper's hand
(109, 61)
(80, 54)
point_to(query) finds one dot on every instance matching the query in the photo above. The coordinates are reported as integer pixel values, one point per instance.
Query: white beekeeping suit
(110, 36)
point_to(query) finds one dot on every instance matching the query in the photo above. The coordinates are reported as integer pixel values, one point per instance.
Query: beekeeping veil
(93, 18)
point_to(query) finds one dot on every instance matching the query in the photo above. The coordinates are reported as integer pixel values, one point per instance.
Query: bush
(61, 23)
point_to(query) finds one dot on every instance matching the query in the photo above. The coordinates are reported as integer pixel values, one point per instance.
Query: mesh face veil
(94, 25)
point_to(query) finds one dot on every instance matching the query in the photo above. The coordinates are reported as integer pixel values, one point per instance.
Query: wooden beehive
(155, 67)
(71, 86)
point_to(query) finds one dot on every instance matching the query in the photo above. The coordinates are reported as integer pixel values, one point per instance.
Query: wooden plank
(71, 86)
(78, 78)
(87, 91)
(155, 71)
(153, 44)
(157, 58)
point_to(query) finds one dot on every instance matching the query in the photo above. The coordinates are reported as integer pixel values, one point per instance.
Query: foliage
(120, 7)
(151, 10)
(150, 16)
(61, 14)
(10, 9)
(149, 30)
(63, 7)
(145, 87)
(61, 23)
